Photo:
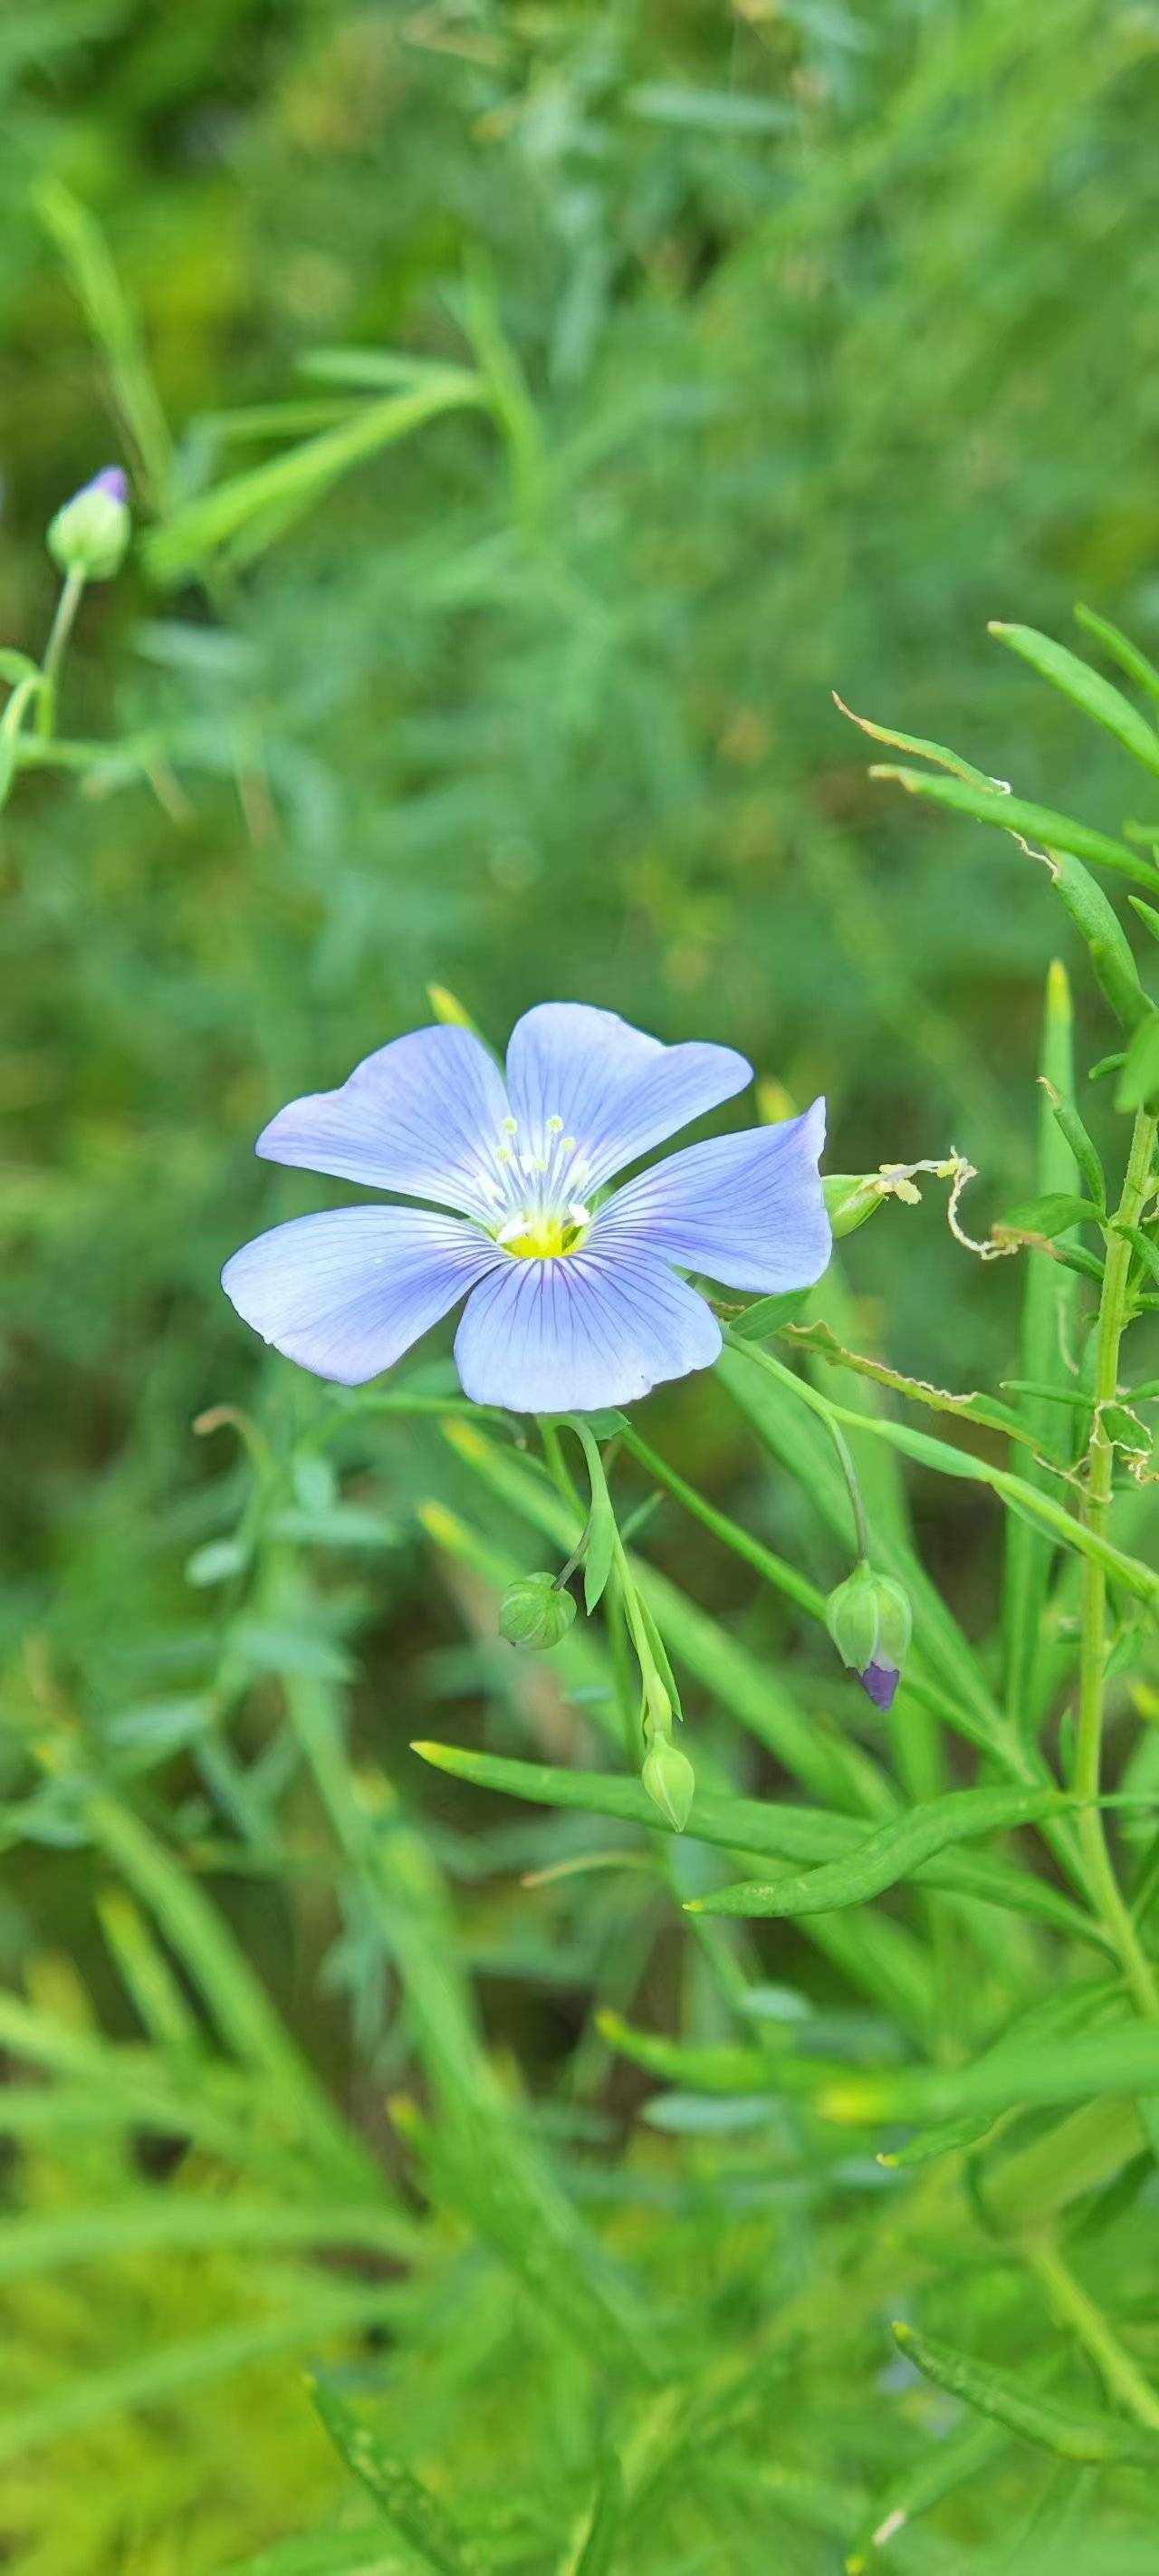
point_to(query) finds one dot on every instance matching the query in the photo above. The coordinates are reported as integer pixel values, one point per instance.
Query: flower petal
(423, 1115)
(587, 1330)
(346, 1294)
(748, 1210)
(616, 1091)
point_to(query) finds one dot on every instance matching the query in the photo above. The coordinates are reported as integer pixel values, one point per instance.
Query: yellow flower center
(544, 1238)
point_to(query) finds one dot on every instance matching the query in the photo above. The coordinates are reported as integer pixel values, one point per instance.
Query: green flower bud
(90, 534)
(534, 1614)
(669, 1779)
(870, 1622)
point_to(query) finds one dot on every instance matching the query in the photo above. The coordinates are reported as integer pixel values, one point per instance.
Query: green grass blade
(1100, 2439)
(1098, 698)
(1036, 822)
(778, 1832)
(248, 510)
(935, 751)
(171, 2369)
(418, 2516)
(1121, 649)
(887, 1857)
(1047, 1336)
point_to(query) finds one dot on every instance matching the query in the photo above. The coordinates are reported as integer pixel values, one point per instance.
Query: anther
(509, 1126)
(555, 1126)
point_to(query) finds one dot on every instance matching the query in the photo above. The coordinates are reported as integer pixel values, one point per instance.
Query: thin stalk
(1112, 1318)
(849, 1471)
(59, 632)
(1071, 2303)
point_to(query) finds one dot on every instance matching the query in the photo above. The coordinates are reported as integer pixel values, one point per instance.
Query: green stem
(62, 626)
(1112, 1318)
(775, 1569)
(1072, 2305)
(557, 1465)
(849, 1471)
(657, 1698)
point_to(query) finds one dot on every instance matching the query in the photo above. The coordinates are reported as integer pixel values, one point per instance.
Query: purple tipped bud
(870, 1622)
(881, 1681)
(90, 533)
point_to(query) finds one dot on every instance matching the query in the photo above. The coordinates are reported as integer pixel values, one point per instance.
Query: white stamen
(510, 1126)
(579, 1214)
(555, 1126)
(510, 1233)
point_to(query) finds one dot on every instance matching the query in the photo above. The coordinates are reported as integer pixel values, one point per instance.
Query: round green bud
(870, 1622)
(90, 533)
(669, 1779)
(535, 1614)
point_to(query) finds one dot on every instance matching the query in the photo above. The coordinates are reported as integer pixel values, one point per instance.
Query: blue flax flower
(574, 1298)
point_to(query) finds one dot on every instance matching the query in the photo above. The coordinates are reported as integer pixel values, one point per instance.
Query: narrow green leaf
(249, 510)
(169, 2221)
(600, 1553)
(1098, 698)
(705, 2068)
(169, 2371)
(1070, 1396)
(952, 2462)
(1138, 1083)
(414, 2513)
(1143, 1244)
(1049, 1215)
(1075, 1136)
(1065, 846)
(888, 1856)
(779, 1832)
(946, 2138)
(1046, 1340)
(1101, 2062)
(598, 2546)
(997, 2394)
(972, 1407)
(935, 751)
(1121, 649)
(1146, 912)
(771, 1314)
(1013, 814)
(15, 667)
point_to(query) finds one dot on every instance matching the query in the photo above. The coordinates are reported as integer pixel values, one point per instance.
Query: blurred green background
(815, 333)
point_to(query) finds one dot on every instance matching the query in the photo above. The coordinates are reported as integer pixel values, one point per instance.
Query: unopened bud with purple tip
(90, 533)
(870, 1621)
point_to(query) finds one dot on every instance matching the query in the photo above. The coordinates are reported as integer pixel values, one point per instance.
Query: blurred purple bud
(89, 536)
